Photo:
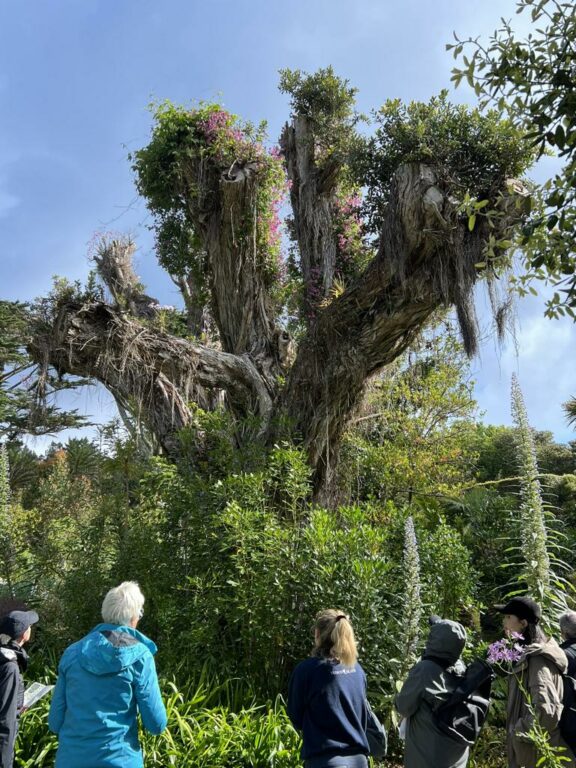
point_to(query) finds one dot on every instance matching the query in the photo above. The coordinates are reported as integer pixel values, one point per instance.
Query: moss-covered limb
(159, 374)
(241, 300)
(114, 265)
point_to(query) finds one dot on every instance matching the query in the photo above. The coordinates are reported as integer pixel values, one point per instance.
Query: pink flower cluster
(351, 205)
(215, 122)
(218, 126)
(273, 218)
(349, 224)
(231, 143)
(506, 650)
(275, 223)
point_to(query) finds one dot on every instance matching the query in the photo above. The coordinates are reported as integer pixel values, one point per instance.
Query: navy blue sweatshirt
(327, 702)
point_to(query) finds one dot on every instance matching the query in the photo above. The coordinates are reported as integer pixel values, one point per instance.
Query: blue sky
(75, 81)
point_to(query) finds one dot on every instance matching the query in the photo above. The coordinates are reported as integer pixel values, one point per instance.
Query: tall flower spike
(534, 536)
(7, 551)
(4, 481)
(412, 608)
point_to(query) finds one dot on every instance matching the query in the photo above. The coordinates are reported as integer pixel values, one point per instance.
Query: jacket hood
(14, 652)
(446, 640)
(111, 648)
(551, 651)
(7, 654)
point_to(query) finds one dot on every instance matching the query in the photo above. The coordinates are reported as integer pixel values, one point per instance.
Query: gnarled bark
(223, 213)
(311, 195)
(426, 260)
(159, 374)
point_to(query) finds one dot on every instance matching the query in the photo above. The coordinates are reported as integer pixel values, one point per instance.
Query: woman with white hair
(104, 681)
(568, 719)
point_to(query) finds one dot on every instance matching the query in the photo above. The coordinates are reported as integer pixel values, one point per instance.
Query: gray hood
(551, 651)
(446, 640)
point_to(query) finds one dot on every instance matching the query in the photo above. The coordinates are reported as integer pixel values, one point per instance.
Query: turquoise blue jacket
(104, 681)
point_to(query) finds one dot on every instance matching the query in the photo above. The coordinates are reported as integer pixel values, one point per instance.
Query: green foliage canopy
(474, 153)
(534, 80)
(412, 439)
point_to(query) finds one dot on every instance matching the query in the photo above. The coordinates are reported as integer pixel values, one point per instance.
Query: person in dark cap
(535, 687)
(15, 631)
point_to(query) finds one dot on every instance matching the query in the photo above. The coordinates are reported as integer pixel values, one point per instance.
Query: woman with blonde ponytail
(327, 697)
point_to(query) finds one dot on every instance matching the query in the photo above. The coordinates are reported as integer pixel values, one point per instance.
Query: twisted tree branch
(159, 374)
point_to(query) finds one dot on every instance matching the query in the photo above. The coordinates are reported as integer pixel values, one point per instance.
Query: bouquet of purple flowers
(506, 652)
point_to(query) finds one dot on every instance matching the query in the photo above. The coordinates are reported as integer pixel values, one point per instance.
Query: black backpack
(463, 714)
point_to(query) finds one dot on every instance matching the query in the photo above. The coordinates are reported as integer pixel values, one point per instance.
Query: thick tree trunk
(224, 213)
(312, 196)
(426, 260)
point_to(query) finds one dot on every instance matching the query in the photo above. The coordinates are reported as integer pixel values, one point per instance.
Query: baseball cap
(15, 623)
(522, 607)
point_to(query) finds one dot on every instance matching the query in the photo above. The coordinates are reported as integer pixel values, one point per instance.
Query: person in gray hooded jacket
(430, 682)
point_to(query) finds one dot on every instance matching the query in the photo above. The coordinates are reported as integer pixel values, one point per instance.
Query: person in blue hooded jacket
(104, 681)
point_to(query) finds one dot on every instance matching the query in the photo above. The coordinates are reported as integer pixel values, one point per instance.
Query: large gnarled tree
(385, 232)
